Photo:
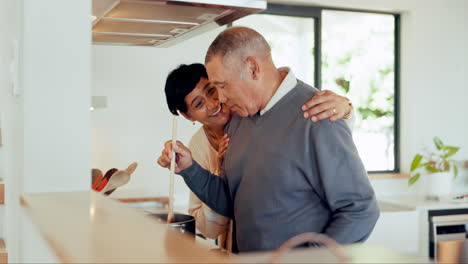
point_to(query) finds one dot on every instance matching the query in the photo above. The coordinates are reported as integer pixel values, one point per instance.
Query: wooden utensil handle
(170, 215)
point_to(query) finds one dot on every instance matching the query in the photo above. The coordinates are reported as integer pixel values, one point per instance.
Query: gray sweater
(285, 175)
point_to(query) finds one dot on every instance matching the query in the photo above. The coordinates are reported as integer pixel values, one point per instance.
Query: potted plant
(438, 166)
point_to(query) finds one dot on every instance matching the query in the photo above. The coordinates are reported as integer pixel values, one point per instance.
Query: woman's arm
(208, 222)
(327, 104)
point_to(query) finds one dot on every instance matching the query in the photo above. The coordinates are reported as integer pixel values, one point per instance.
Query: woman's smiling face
(203, 105)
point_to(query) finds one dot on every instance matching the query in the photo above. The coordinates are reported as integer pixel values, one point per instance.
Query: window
(352, 53)
(291, 40)
(358, 61)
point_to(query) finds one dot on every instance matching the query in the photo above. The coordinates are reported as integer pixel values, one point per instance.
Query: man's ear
(187, 116)
(253, 68)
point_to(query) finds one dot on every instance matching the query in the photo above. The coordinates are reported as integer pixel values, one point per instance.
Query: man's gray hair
(238, 43)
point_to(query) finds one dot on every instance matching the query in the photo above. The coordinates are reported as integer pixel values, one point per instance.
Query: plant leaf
(431, 169)
(438, 143)
(455, 171)
(343, 84)
(413, 179)
(416, 161)
(450, 151)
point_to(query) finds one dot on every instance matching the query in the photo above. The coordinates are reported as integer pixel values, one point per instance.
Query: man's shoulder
(290, 105)
(304, 90)
(233, 124)
(295, 98)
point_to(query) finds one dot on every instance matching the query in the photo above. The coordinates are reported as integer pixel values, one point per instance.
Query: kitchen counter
(408, 216)
(392, 206)
(86, 227)
(357, 254)
(413, 202)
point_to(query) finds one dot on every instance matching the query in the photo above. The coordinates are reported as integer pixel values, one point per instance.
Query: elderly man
(283, 175)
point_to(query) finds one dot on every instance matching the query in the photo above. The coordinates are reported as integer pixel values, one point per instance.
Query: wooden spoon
(116, 180)
(131, 168)
(170, 215)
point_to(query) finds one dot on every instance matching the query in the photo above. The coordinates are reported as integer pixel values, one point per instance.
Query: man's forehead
(215, 72)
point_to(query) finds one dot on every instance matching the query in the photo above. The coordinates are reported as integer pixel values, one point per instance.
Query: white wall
(434, 76)
(137, 122)
(11, 124)
(434, 80)
(43, 149)
(434, 89)
(56, 86)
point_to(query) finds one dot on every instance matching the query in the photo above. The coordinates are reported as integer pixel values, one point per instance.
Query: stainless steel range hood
(162, 23)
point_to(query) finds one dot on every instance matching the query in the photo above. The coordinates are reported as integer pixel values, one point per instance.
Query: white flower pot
(438, 184)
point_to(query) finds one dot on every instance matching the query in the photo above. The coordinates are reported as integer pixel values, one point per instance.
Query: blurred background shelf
(2, 192)
(3, 252)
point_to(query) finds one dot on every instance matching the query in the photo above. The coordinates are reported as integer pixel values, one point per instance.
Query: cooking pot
(184, 224)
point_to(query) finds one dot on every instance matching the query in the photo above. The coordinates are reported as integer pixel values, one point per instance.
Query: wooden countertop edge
(58, 251)
(374, 176)
(86, 227)
(162, 199)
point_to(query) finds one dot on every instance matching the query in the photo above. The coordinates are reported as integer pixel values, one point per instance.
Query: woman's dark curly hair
(180, 82)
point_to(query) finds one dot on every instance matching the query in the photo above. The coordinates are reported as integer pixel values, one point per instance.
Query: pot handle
(328, 242)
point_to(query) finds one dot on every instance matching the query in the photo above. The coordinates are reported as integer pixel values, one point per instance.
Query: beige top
(208, 222)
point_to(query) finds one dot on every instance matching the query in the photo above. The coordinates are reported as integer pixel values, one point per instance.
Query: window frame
(308, 12)
(315, 12)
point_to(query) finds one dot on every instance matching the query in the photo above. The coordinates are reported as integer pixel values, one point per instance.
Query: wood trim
(101, 8)
(464, 165)
(164, 200)
(389, 176)
(2, 192)
(3, 252)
